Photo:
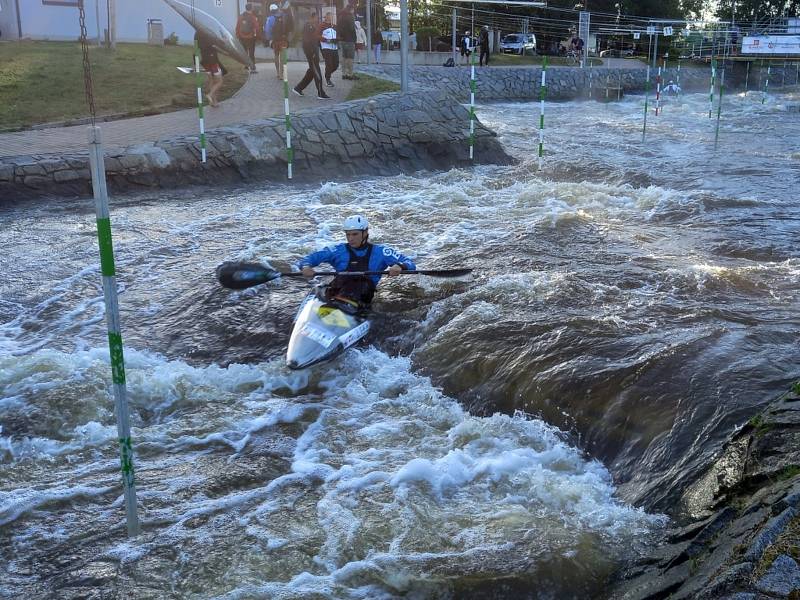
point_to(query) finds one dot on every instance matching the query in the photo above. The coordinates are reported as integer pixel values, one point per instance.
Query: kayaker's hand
(308, 272)
(395, 270)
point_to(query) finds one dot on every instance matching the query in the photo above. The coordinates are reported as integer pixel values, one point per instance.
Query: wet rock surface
(741, 538)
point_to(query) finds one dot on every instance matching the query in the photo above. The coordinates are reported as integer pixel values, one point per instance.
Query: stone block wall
(387, 134)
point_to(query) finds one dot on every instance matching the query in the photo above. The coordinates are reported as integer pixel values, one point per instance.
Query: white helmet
(466, 32)
(273, 7)
(355, 223)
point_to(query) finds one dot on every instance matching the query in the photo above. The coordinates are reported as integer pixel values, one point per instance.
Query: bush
(172, 40)
(427, 38)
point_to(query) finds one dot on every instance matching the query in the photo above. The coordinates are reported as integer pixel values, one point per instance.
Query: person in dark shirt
(346, 30)
(484, 44)
(209, 60)
(311, 39)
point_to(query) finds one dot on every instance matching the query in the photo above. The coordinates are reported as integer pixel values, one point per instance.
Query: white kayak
(322, 331)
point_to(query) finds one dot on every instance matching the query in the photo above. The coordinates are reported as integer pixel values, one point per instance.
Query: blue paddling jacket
(338, 256)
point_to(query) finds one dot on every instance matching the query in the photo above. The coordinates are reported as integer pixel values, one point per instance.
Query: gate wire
(87, 66)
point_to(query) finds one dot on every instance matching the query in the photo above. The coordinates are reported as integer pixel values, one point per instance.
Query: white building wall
(41, 21)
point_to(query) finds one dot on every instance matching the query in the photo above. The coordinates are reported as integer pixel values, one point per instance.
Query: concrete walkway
(259, 98)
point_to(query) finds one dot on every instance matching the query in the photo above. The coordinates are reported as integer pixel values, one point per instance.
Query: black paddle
(241, 275)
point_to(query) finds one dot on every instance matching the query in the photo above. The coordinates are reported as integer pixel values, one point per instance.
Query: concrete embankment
(740, 537)
(387, 134)
(523, 83)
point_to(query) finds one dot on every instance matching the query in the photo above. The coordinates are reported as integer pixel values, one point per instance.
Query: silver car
(518, 43)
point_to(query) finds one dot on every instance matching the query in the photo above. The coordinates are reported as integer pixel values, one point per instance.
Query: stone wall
(523, 83)
(386, 134)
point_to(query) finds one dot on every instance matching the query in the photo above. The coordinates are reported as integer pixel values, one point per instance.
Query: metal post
(97, 16)
(199, 78)
(108, 270)
(646, 98)
(287, 117)
(711, 91)
(747, 78)
(455, 53)
(19, 19)
(404, 45)
(112, 23)
(369, 31)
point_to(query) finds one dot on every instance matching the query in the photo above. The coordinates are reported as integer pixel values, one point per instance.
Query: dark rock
(782, 578)
(769, 533)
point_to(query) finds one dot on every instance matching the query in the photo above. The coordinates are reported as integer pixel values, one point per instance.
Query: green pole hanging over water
(108, 270)
(711, 91)
(287, 116)
(199, 77)
(542, 92)
(719, 106)
(646, 98)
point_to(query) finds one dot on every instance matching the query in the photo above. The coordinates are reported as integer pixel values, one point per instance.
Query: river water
(512, 435)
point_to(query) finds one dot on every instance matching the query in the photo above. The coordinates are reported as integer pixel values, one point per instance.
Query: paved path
(260, 97)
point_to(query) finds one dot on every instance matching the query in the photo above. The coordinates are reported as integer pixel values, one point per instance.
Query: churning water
(511, 436)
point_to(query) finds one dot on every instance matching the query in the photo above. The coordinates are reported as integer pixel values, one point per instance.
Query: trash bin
(155, 32)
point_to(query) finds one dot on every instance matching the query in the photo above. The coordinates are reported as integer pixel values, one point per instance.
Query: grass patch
(514, 60)
(787, 543)
(42, 82)
(366, 86)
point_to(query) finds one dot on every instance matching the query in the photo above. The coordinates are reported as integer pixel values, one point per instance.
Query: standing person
(347, 41)
(466, 47)
(484, 42)
(209, 60)
(361, 39)
(358, 254)
(247, 32)
(281, 30)
(311, 50)
(377, 43)
(330, 48)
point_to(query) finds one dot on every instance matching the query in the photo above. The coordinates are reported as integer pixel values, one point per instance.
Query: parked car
(518, 43)
(617, 53)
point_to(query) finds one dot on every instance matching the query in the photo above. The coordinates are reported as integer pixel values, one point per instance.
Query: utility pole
(455, 54)
(112, 24)
(97, 16)
(404, 45)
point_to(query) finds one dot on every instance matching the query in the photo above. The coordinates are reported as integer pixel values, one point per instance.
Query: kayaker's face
(356, 238)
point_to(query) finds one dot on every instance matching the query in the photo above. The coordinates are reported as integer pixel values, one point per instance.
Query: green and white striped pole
(472, 86)
(542, 93)
(719, 107)
(97, 166)
(747, 79)
(711, 92)
(646, 99)
(591, 70)
(199, 77)
(287, 116)
(783, 75)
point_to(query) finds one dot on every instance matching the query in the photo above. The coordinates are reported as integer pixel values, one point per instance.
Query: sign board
(667, 30)
(637, 35)
(776, 45)
(651, 30)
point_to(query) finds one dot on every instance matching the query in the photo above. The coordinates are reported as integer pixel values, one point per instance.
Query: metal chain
(87, 67)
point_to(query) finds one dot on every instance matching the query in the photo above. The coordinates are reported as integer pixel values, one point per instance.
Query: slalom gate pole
(542, 93)
(646, 99)
(747, 78)
(591, 70)
(719, 107)
(678, 78)
(783, 75)
(472, 104)
(797, 73)
(472, 85)
(287, 115)
(766, 84)
(658, 91)
(199, 78)
(108, 271)
(711, 92)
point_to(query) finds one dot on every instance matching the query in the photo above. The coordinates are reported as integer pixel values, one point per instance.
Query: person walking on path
(209, 60)
(377, 43)
(330, 48)
(311, 41)
(361, 40)
(277, 29)
(346, 28)
(484, 43)
(247, 32)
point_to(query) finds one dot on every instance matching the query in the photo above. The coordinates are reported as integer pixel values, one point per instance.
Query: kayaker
(358, 254)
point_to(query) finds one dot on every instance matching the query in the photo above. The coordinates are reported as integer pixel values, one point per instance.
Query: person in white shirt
(361, 39)
(330, 48)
